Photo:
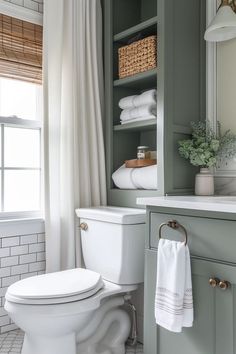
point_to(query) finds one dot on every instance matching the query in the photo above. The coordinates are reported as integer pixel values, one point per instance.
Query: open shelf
(147, 28)
(140, 81)
(137, 126)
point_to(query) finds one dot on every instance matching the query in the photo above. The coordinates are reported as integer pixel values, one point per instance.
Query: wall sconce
(223, 25)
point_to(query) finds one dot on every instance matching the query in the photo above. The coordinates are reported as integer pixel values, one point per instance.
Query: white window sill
(23, 226)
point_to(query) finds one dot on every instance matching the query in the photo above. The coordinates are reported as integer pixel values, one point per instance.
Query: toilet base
(46, 345)
(110, 336)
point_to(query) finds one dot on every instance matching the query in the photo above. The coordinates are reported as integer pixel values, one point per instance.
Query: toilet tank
(113, 242)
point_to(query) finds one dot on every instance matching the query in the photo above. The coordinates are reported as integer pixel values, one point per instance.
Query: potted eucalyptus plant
(207, 149)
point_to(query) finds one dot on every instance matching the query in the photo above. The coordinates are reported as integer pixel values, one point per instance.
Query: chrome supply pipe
(133, 339)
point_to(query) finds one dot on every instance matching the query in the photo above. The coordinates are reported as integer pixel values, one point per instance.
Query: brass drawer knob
(214, 282)
(83, 226)
(224, 285)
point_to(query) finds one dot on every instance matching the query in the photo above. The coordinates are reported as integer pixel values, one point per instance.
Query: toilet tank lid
(116, 215)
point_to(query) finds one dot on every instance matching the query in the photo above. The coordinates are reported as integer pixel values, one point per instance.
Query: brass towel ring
(173, 224)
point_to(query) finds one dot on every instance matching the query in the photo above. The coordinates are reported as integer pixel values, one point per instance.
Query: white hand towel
(138, 112)
(173, 300)
(146, 98)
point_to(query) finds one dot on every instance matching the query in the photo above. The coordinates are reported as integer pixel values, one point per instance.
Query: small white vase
(204, 182)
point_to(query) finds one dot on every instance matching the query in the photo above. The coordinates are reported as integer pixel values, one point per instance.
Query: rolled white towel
(135, 178)
(127, 121)
(139, 112)
(146, 98)
(145, 177)
(122, 178)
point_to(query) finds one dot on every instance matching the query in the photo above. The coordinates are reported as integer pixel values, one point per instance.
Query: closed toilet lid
(56, 287)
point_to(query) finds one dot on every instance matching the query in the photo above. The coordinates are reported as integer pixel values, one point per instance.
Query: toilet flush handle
(83, 226)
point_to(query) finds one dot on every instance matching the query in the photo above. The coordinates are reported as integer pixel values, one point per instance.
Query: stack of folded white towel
(138, 107)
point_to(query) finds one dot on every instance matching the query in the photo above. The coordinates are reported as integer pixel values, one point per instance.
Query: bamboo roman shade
(20, 50)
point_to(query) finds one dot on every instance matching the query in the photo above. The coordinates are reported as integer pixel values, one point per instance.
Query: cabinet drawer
(210, 238)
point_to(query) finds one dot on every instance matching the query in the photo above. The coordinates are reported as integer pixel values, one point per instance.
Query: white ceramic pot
(204, 182)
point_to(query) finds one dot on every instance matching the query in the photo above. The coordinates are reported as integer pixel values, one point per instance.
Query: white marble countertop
(223, 204)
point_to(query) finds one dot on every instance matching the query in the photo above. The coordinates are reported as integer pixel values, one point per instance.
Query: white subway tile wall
(35, 5)
(20, 257)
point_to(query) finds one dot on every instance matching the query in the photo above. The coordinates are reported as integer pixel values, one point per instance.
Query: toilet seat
(55, 288)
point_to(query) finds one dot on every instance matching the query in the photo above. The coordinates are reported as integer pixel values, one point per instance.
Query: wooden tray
(140, 163)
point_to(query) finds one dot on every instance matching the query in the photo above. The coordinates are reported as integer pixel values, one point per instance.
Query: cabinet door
(214, 313)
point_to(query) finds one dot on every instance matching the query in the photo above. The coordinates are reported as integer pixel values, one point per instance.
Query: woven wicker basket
(138, 57)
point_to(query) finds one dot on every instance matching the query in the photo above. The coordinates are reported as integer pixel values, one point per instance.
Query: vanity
(210, 223)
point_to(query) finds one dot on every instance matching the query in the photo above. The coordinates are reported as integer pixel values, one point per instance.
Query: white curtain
(73, 131)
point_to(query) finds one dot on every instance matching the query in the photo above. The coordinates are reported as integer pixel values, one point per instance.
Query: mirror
(221, 98)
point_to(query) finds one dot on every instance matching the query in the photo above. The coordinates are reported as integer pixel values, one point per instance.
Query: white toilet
(78, 311)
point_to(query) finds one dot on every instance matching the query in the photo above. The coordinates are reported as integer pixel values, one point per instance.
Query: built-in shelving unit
(179, 79)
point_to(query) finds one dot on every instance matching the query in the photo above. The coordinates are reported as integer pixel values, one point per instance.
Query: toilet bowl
(78, 311)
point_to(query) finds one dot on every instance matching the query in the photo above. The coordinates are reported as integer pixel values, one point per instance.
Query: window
(20, 157)
(20, 117)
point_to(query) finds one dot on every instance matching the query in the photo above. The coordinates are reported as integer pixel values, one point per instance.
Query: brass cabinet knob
(224, 284)
(83, 226)
(214, 282)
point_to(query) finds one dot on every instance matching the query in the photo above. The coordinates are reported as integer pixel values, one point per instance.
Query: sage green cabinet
(214, 327)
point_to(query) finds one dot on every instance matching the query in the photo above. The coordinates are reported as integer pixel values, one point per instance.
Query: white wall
(35, 5)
